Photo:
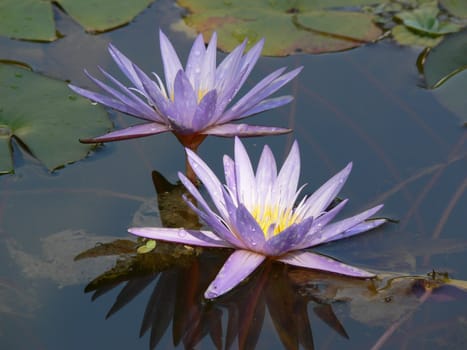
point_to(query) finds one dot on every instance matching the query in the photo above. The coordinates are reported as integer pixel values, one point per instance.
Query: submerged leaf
(312, 27)
(446, 59)
(45, 117)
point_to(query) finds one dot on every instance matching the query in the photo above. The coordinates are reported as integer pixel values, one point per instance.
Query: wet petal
(323, 196)
(208, 69)
(123, 107)
(286, 183)
(209, 180)
(229, 172)
(170, 61)
(266, 174)
(248, 230)
(131, 132)
(333, 231)
(244, 174)
(195, 61)
(319, 223)
(184, 100)
(238, 266)
(268, 104)
(179, 235)
(324, 263)
(205, 111)
(245, 130)
(362, 227)
(288, 239)
(125, 65)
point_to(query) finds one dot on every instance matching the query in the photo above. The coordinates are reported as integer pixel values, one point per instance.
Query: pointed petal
(324, 263)
(211, 218)
(141, 109)
(362, 227)
(154, 95)
(323, 196)
(248, 229)
(250, 59)
(268, 104)
(288, 239)
(229, 172)
(266, 173)
(244, 174)
(209, 180)
(333, 231)
(237, 109)
(131, 132)
(195, 61)
(238, 266)
(229, 68)
(205, 111)
(170, 61)
(109, 102)
(208, 70)
(319, 223)
(262, 90)
(244, 130)
(179, 235)
(184, 100)
(285, 187)
(125, 65)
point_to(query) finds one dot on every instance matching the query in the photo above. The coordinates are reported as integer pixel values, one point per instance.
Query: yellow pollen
(201, 94)
(267, 216)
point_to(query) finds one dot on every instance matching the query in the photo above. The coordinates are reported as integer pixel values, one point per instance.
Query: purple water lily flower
(258, 216)
(194, 101)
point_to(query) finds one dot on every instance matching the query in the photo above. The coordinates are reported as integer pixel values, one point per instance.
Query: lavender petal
(205, 111)
(170, 61)
(333, 231)
(324, 263)
(175, 235)
(362, 227)
(244, 130)
(238, 266)
(324, 195)
(288, 239)
(131, 132)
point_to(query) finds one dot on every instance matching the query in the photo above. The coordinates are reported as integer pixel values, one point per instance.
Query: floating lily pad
(312, 27)
(405, 36)
(455, 7)
(46, 117)
(33, 19)
(103, 15)
(424, 20)
(446, 59)
(27, 19)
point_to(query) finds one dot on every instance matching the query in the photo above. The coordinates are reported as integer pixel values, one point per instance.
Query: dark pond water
(366, 105)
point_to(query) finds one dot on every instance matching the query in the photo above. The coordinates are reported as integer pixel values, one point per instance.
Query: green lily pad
(46, 117)
(455, 7)
(103, 15)
(406, 36)
(424, 19)
(33, 19)
(27, 19)
(313, 27)
(446, 59)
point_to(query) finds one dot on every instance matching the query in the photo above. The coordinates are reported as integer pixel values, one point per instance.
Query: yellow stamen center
(279, 217)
